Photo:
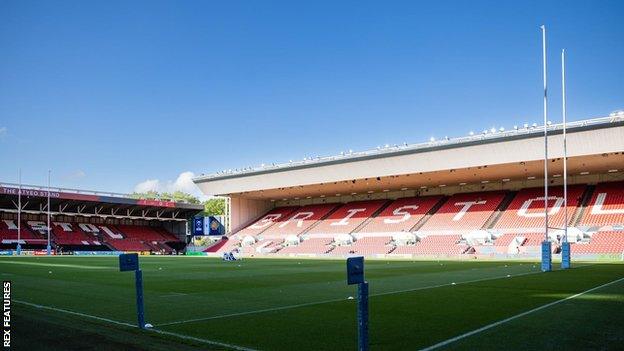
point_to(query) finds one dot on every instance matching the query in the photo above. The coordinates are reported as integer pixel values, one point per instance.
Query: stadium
(478, 196)
(454, 220)
(509, 237)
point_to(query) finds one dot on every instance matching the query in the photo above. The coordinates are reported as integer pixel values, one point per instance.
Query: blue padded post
(546, 256)
(363, 316)
(566, 262)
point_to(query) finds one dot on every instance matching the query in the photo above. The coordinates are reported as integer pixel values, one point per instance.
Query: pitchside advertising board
(210, 225)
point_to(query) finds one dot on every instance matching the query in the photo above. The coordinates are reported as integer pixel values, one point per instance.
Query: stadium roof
(489, 156)
(74, 202)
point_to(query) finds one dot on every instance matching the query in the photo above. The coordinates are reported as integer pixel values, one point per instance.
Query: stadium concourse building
(90, 222)
(495, 161)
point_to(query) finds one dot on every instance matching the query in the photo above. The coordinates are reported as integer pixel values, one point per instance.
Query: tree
(149, 195)
(177, 196)
(214, 206)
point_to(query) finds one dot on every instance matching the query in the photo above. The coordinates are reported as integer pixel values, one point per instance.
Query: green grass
(302, 304)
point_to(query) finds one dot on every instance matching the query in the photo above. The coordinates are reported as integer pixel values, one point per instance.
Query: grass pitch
(198, 303)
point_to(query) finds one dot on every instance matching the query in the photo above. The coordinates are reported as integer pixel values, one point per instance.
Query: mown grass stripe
(519, 315)
(281, 308)
(111, 321)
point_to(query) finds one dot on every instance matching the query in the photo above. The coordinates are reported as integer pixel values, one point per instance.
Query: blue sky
(110, 94)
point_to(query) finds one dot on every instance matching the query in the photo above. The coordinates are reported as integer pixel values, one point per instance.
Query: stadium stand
(128, 245)
(309, 246)
(606, 206)
(83, 222)
(366, 246)
(519, 243)
(526, 211)
(611, 242)
(347, 218)
(140, 238)
(401, 215)
(299, 220)
(229, 245)
(70, 234)
(514, 221)
(468, 211)
(268, 220)
(8, 232)
(217, 247)
(435, 245)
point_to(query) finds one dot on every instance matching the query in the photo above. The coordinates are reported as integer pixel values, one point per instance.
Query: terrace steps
(431, 212)
(584, 203)
(307, 230)
(489, 224)
(372, 217)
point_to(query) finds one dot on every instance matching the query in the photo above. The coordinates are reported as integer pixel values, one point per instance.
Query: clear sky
(110, 94)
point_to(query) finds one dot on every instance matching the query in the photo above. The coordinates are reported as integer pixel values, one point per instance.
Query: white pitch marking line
(272, 309)
(182, 336)
(63, 265)
(75, 313)
(503, 321)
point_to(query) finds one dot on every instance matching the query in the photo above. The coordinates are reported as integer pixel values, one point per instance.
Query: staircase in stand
(369, 219)
(580, 210)
(489, 224)
(322, 219)
(431, 212)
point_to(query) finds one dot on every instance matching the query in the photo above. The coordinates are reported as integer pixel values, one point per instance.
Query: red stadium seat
(299, 220)
(348, 217)
(8, 233)
(309, 246)
(527, 208)
(266, 221)
(366, 246)
(71, 234)
(465, 211)
(601, 243)
(435, 245)
(606, 206)
(401, 215)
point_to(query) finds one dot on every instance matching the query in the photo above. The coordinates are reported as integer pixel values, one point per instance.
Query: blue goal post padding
(546, 256)
(355, 270)
(128, 262)
(565, 255)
